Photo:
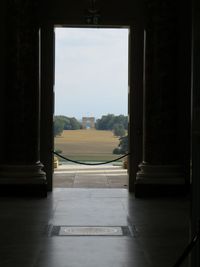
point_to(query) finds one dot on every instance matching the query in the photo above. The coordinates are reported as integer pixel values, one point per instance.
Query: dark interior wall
(196, 126)
(184, 84)
(2, 66)
(74, 11)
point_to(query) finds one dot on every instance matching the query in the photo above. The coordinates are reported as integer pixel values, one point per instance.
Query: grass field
(87, 145)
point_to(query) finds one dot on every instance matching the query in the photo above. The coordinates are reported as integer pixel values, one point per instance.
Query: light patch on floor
(90, 231)
(93, 230)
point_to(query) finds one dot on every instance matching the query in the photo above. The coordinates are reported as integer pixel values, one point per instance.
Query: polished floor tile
(160, 230)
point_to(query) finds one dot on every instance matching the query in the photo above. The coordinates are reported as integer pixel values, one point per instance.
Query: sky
(91, 72)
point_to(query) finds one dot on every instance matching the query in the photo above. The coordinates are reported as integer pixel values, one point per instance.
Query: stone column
(21, 169)
(162, 170)
(195, 196)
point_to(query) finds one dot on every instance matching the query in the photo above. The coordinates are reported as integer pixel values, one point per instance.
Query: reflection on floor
(159, 230)
(80, 176)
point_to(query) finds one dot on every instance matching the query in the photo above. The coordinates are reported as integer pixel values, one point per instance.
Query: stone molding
(22, 174)
(160, 174)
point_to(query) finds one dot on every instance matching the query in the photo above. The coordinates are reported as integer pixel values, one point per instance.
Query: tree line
(117, 124)
(62, 123)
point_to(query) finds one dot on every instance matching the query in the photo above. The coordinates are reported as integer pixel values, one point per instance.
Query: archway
(88, 122)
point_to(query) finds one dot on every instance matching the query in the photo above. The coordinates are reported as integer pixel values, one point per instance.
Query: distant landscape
(102, 140)
(87, 145)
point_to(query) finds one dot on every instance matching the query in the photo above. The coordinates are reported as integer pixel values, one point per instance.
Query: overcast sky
(91, 72)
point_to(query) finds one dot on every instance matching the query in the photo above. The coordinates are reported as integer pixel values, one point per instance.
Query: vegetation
(92, 145)
(87, 145)
(58, 126)
(110, 122)
(107, 122)
(122, 147)
(62, 123)
(118, 130)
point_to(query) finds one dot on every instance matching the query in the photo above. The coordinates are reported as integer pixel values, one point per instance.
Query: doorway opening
(91, 107)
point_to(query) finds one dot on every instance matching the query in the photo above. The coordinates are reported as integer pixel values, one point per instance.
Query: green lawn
(87, 145)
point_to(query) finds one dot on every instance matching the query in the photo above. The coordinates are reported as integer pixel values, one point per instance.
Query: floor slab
(161, 229)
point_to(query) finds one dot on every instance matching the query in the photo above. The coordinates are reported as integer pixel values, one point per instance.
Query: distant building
(88, 122)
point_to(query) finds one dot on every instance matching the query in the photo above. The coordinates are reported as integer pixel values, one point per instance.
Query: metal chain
(91, 164)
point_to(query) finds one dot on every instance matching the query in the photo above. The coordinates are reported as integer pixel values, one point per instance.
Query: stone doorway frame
(135, 104)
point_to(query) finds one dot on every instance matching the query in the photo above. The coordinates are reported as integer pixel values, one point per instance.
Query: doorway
(91, 106)
(135, 98)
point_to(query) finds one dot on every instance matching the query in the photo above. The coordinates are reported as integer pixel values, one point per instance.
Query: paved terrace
(81, 176)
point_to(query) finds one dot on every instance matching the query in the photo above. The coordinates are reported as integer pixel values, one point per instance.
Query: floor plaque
(61, 230)
(90, 231)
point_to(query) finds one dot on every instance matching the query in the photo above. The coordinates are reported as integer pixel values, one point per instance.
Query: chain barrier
(91, 164)
(188, 249)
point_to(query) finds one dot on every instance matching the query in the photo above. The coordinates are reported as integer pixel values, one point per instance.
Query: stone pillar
(162, 170)
(195, 196)
(135, 96)
(47, 100)
(92, 122)
(84, 122)
(21, 169)
(2, 68)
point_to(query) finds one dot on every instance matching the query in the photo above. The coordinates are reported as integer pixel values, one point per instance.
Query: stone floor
(160, 230)
(81, 176)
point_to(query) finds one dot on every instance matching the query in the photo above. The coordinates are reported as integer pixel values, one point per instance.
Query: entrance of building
(135, 61)
(91, 78)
